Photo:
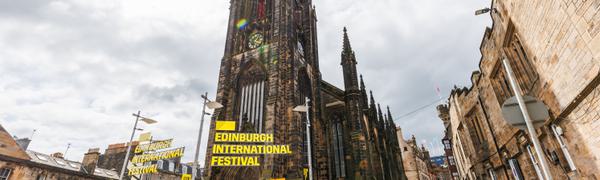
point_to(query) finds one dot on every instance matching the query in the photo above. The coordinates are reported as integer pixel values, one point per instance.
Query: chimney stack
(90, 160)
(57, 155)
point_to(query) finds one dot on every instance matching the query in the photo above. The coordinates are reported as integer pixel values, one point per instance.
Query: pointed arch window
(338, 147)
(251, 97)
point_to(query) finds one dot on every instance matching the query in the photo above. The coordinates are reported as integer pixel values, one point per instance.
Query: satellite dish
(513, 115)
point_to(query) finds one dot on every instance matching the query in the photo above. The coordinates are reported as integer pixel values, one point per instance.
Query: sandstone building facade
(448, 151)
(270, 65)
(417, 163)
(553, 47)
(19, 163)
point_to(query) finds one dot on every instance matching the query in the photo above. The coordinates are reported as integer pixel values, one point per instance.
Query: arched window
(159, 164)
(251, 97)
(171, 166)
(338, 146)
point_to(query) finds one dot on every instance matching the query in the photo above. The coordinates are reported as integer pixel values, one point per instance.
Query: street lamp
(212, 105)
(137, 118)
(482, 11)
(304, 108)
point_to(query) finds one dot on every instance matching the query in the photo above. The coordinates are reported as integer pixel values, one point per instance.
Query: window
(5, 173)
(159, 164)
(534, 161)
(60, 162)
(41, 177)
(521, 64)
(515, 169)
(171, 166)
(338, 148)
(447, 144)
(42, 157)
(492, 174)
(251, 99)
(451, 160)
(500, 83)
(189, 169)
(475, 127)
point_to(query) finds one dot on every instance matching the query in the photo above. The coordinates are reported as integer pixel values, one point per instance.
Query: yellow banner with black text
(152, 151)
(234, 154)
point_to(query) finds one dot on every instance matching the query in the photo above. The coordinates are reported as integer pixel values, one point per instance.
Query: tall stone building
(271, 65)
(553, 47)
(448, 151)
(417, 163)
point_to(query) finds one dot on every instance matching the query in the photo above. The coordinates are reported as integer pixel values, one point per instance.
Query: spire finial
(389, 115)
(362, 83)
(379, 112)
(347, 48)
(372, 99)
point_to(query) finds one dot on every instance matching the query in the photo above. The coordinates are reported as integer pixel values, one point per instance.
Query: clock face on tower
(255, 40)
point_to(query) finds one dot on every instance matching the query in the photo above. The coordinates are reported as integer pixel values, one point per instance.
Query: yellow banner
(234, 161)
(169, 154)
(145, 137)
(225, 126)
(250, 149)
(153, 146)
(243, 137)
(142, 170)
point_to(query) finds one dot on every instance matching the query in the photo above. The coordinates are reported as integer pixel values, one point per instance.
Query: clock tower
(269, 66)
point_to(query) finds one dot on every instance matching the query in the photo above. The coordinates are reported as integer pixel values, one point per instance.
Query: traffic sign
(513, 115)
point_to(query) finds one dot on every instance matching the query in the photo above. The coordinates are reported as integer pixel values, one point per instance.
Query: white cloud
(76, 70)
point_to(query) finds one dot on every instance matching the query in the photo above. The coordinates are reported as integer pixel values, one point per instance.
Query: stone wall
(23, 170)
(415, 160)
(559, 38)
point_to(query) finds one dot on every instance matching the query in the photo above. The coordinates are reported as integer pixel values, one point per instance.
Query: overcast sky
(76, 70)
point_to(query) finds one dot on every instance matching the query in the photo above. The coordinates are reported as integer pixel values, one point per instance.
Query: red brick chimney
(90, 160)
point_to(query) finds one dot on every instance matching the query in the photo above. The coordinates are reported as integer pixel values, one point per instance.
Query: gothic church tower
(269, 66)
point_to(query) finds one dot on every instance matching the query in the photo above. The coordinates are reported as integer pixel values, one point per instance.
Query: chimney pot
(90, 160)
(57, 155)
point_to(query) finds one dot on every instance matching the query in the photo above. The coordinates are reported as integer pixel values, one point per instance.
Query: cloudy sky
(76, 70)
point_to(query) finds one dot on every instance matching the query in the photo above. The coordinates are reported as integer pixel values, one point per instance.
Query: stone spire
(386, 123)
(349, 67)
(347, 48)
(347, 52)
(362, 83)
(372, 107)
(363, 94)
(390, 119)
(372, 99)
(380, 114)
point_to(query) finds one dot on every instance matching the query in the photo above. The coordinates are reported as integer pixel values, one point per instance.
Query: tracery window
(338, 147)
(475, 125)
(252, 98)
(521, 64)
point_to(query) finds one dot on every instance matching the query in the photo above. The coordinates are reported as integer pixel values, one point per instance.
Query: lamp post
(528, 122)
(304, 108)
(137, 118)
(211, 105)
